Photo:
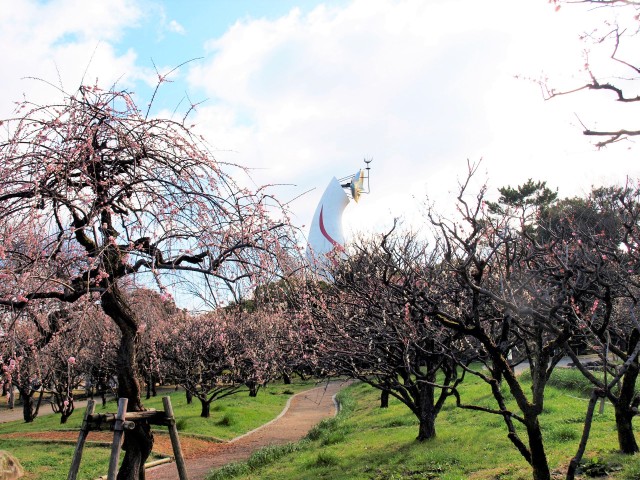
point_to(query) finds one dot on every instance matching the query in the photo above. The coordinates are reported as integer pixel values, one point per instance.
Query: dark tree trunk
(67, 410)
(28, 406)
(149, 388)
(586, 430)
(58, 406)
(384, 398)
(626, 438)
(65, 416)
(427, 428)
(253, 389)
(189, 397)
(286, 378)
(38, 403)
(12, 396)
(206, 408)
(539, 462)
(139, 441)
(623, 408)
(427, 413)
(101, 389)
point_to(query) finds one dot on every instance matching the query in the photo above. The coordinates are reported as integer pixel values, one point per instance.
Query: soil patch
(191, 447)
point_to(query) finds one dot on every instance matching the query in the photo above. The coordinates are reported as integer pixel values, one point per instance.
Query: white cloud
(419, 86)
(175, 27)
(63, 42)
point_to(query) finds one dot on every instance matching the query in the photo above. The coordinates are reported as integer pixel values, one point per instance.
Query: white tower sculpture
(326, 232)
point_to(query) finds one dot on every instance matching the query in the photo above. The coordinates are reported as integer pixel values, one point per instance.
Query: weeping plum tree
(220, 353)
(93, 191)
(70, 354)
(22, 363)
(258, 347)
(156, 310)
(282, 308)
(102, 340)
(28, 338)
(197, 353)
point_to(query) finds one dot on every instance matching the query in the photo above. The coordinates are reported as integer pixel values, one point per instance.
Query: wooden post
(118, 430)
(604, 369)
(84, 431)
(175, 441)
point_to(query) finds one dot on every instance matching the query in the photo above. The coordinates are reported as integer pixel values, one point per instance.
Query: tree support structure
(120, 422)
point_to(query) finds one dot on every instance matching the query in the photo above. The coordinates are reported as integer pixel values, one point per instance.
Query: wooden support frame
(118, 433)
(120, 422)
(175, 441)
(84, 431)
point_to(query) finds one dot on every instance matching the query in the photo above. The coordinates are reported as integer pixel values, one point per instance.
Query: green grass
(242, 413)
(230, 417)
(569, 380)
(366, 442)
(55, 464)
(260, 458)
(328, 432)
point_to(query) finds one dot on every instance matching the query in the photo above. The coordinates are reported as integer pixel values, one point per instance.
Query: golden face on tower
(357, 185)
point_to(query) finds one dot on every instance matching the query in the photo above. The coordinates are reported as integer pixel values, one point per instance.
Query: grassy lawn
(230, 417)
(44, 460)
(366, 442)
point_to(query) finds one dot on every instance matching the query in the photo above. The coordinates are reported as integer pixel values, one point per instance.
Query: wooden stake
(84, 431)
(118, 431)
(175, 441)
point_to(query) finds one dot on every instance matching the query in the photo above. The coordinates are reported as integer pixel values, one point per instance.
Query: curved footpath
(302, 412)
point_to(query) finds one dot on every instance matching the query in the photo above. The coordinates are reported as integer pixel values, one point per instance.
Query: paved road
(564, 362)
(11, 414)
(303, 411)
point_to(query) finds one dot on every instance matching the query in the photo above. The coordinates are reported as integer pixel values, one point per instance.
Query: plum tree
(93, 191)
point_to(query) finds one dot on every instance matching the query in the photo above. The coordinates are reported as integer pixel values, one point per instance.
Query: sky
(303, 90)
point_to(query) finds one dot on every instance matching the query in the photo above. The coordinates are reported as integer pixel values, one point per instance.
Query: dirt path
(303, 411)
